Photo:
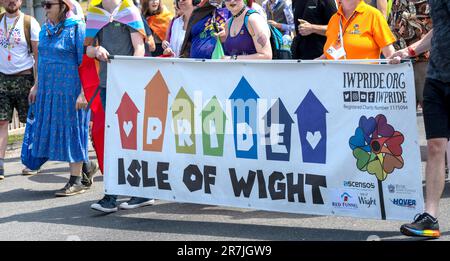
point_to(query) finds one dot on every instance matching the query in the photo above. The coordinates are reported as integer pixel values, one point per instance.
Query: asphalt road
(29, 211)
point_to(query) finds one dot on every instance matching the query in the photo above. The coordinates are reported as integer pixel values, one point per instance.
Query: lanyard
(342, 32)
(8, 34)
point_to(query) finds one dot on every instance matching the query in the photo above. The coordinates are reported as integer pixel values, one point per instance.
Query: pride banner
(312, 137)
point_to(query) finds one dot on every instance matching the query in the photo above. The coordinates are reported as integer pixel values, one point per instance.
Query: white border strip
(189, 60)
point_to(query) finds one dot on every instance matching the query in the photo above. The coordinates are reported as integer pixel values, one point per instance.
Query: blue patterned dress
(61, 132)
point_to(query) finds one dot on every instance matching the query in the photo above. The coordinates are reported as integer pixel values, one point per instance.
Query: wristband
(411, 52)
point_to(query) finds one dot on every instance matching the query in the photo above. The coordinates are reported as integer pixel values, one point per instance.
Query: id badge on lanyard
(337, 50)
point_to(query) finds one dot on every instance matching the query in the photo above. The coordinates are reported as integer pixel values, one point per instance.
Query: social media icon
(355, 96)
(347, 97)
(371, 96)
(363, 96)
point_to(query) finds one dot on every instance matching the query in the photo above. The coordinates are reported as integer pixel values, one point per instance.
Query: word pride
(243, 100)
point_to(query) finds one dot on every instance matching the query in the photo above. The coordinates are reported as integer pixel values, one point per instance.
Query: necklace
(8, 34)
(240, 12)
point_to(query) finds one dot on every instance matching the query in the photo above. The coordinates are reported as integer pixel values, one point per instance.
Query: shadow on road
(446, 193)
(81, 215)
(162, 207)
(57, 175)
(13, 160)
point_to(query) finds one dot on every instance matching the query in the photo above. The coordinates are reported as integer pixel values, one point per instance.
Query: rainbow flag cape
(97, 18)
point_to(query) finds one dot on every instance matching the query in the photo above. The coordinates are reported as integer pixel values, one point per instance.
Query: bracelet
(411, 52)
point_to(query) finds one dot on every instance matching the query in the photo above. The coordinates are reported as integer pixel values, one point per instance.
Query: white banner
(311, 137)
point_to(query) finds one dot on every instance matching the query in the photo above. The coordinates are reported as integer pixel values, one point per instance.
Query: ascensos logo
(402, 202)
(357, 184)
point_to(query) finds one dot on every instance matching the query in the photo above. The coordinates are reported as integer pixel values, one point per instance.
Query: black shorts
(436, 109)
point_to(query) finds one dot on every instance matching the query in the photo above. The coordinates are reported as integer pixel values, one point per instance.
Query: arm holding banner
(415, 49)
(388, 50)
(97, 52)
(322, 57)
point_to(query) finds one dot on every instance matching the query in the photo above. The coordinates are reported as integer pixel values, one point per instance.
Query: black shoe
(108, 204)
(136, 202)
(424, 225)
(87, 176)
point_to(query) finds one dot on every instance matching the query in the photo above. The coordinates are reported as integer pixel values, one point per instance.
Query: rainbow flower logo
(377, 147)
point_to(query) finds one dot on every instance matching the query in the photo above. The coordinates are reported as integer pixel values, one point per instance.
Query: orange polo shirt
(366, 34)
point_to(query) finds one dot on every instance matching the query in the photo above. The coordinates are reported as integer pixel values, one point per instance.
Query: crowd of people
(39, 63)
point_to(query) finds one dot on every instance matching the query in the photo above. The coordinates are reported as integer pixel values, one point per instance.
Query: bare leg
(75, 169)
(435, 174)
(3, 138)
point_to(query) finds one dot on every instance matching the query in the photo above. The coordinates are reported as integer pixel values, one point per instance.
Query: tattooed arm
(259, 30)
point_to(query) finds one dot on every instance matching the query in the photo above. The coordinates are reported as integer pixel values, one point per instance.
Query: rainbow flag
(160, 23)
(97, 18)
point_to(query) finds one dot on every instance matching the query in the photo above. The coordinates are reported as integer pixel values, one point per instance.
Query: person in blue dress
(205, 21)
(61, 132)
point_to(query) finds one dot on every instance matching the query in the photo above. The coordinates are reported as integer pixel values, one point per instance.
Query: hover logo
(403, 202)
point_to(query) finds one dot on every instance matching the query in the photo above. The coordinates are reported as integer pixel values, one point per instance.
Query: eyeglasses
(48, 5)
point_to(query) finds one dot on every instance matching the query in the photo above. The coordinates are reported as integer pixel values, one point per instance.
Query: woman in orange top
(158, 18)
(358, 31)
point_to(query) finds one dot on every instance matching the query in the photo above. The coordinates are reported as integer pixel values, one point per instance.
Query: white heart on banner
(313, 139)
(127, 127)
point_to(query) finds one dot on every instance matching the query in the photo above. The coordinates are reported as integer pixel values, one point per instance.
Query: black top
(439, 67)
(315, 12)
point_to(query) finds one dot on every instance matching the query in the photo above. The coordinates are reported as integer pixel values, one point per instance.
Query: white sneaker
(107, 204)
(99, 207)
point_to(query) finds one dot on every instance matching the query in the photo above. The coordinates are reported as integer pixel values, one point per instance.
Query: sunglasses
(48, 5)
